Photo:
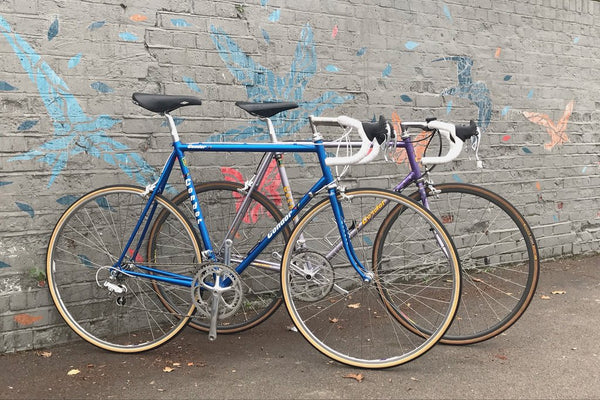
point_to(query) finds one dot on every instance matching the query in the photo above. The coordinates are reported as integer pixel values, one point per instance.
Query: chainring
(311, 276)
(229, 284)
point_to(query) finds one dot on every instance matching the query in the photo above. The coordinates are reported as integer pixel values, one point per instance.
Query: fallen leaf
(73, 372)
(477, 280)
(355, 305)
(176, 364)
(357, 377)
(292, 328)
(168, 369)
(333, 320)
(501, 357)
(44, 354)
(559, 292)
(190, 364)
(544, 297)
(414, 379)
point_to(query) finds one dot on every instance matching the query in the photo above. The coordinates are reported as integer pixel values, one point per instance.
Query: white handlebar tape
(448, 131)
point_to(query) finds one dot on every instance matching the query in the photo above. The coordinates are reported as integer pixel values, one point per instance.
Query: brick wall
(527, 71)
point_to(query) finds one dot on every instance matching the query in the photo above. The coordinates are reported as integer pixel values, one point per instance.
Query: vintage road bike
(127, 271)
(497, 248)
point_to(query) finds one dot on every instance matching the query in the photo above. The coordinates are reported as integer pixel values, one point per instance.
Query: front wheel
(498, 255)
(108, 303)
(348, 319)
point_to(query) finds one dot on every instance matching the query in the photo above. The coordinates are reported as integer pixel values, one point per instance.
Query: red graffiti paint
(269, 187)
(27, 319)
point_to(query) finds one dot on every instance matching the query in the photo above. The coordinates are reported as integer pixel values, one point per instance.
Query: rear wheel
(107, 303)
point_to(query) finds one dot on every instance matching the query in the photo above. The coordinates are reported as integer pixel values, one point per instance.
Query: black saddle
(266, 109)
(164, 103)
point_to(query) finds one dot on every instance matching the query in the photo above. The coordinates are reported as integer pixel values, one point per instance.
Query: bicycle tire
(499, 275)
(219, 201)
(347, 319)
(108, 307)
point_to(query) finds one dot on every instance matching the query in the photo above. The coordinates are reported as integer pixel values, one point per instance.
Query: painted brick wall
(526, 70)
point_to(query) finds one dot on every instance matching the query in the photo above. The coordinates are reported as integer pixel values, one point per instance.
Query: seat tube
(191, 190)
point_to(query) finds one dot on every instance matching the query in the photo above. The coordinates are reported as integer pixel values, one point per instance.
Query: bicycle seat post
(173, 127)
(271, 129)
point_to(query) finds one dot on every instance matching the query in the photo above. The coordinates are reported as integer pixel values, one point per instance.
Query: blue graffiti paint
(361, 52)
(191, 83)
(457, 178)
(74, 132)
(4, 265)
(101, 87)
(530, 94)
(74, 61)
(26, 208)
(405, 98)
(4, 183)
(177, 120)
(299, 159)
(263, 85)
(263, 2)
(6, 87)
(275, 15)
(411, 45)
(67, 200)
(507, 78)
(526, 150)
(476, 92)
(128, 37)
(53, 30)
(331, 68)
(576, 40)
(103, 203)
(449, 107)
(26, 125)
(85, 260)
(447, 12)
(96, 25)
(505, 110)
(266, 36)
(180, 22)
(367, 240)
(387, 71)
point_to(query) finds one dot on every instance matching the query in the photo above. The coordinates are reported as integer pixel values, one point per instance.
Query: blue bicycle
(122, 291)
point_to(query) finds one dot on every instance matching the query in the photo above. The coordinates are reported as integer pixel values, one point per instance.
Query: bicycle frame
(327, 181)
(414, 176)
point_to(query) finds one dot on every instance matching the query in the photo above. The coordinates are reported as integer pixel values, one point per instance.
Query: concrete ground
(553, 352)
